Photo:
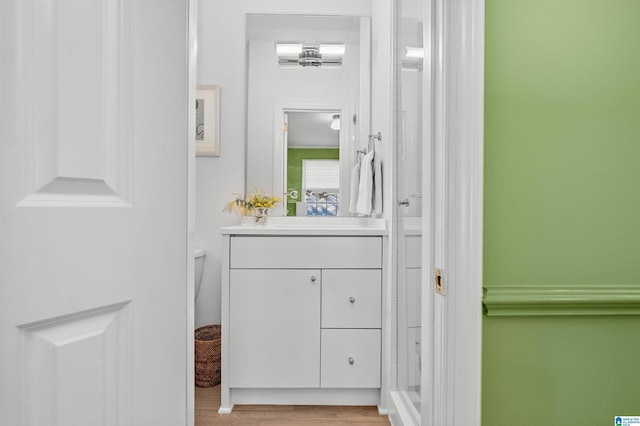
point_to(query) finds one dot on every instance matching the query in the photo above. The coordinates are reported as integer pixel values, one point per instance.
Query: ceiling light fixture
(335, 122)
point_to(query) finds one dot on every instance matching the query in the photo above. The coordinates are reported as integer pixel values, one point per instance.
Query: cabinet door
(274, 330)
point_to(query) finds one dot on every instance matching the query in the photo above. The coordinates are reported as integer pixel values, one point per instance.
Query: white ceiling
(310, 129)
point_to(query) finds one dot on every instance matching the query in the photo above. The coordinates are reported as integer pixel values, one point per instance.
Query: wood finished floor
(208, 401)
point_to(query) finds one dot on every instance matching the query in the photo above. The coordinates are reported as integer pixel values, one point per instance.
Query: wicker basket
(207, 356)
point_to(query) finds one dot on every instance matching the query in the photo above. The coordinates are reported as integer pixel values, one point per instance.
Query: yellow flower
(257, 200)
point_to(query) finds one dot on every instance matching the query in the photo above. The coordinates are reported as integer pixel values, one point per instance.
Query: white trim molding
(192, 67)
(461, 36)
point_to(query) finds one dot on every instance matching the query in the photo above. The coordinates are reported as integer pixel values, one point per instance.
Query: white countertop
(312, 226)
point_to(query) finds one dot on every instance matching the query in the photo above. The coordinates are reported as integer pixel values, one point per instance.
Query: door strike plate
(439, 282)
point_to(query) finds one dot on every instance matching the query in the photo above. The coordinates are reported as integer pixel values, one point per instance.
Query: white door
(93, 217)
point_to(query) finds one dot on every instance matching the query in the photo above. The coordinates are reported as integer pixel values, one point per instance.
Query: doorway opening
(311, 137)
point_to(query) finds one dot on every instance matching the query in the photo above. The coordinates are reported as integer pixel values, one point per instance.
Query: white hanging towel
(355, 187)
(377, 184)
(365, 188)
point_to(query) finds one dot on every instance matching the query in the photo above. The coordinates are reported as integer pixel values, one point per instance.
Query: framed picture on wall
(208, 121)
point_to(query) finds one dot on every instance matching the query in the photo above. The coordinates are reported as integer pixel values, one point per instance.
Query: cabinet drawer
(305, 252)
(350, 359)
(351, 298)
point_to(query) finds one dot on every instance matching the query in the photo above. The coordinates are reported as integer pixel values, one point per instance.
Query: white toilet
(198, 254)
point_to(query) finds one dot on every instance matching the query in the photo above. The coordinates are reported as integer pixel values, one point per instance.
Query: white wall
(221, 61)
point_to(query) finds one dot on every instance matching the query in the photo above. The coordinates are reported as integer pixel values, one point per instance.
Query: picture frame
(207, 121)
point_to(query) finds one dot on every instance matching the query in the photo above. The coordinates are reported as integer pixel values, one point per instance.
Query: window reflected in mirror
(321, 186)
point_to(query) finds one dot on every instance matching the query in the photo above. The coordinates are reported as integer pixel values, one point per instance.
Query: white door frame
(454, 84)
(192, 67)
(347, 155)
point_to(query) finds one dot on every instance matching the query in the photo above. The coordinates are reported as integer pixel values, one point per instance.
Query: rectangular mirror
(308, 108)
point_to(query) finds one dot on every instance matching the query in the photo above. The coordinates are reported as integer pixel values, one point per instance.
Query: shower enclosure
(409, 212)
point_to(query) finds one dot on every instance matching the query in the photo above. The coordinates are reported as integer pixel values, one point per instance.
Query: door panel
(74, 81)
(76, 368)
(93, 218)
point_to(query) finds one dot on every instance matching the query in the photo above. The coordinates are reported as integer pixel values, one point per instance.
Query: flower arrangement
(256, 204)
(263, 201)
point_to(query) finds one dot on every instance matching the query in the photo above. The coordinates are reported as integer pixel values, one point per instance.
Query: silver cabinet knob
(352, 299)
(352, 361)
(313, 278)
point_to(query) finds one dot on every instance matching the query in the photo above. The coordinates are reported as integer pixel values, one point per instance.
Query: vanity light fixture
(283, 49)
(413, 58)
(309, 54)
(332, 49)
(335, 122)
(414, 52)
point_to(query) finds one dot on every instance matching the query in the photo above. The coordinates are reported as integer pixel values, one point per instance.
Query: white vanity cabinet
(302, 320)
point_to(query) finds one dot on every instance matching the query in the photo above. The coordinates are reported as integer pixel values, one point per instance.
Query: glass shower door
(408, 188)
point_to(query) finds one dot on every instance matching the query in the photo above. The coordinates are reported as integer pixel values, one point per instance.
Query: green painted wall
(562, 205)
(549, 371)
(294, 169)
